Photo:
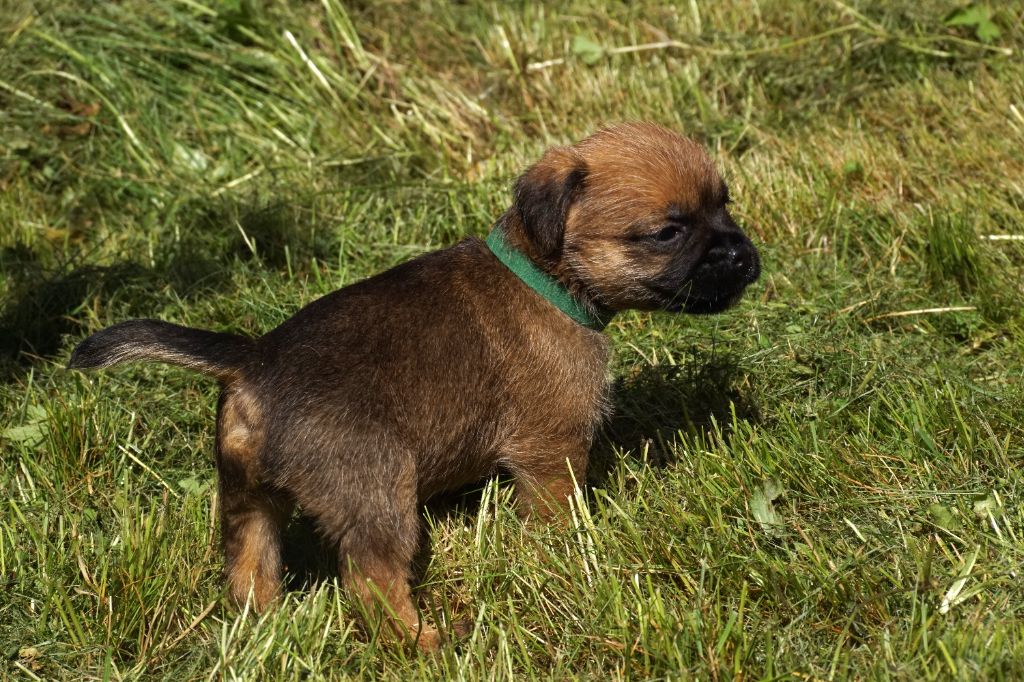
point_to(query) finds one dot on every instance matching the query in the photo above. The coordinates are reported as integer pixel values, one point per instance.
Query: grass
(824, 483)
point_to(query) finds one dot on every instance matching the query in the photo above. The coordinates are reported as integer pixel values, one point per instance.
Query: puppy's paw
(429, 639)
(460, 629)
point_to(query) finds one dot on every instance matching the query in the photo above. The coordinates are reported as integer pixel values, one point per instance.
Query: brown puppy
(457, 364)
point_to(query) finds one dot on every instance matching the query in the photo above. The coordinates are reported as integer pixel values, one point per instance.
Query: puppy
(481, 357)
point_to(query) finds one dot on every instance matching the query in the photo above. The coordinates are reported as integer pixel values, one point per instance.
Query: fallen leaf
(982, 508)
(977, 17)
(942, 517)
(587, 50)
(763, 510)
(31, 432)
(194, 485)
(28, 652)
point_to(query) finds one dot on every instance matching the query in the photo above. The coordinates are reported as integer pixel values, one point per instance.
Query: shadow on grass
(655, 409)
(47, 303)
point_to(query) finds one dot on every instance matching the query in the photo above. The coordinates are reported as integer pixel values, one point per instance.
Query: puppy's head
(634, 216)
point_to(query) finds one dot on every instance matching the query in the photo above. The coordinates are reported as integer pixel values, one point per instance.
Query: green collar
(544, 284)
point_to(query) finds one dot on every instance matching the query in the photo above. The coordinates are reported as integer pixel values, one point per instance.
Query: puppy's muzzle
(729, 266)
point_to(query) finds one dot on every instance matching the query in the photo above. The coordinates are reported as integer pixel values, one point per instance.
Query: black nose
(734, 252)
(749, 263)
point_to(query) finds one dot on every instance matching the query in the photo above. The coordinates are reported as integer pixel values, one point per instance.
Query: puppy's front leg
(545, 483)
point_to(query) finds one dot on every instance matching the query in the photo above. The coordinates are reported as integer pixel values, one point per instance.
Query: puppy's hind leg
(251, 525)
(253, 514)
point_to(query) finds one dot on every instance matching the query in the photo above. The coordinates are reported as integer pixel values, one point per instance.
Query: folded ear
(543, 195)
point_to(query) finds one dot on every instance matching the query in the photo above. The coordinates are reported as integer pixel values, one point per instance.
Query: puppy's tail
(214, 353)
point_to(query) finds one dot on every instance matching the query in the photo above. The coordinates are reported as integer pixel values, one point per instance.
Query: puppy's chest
(560, 386)
(543, 399)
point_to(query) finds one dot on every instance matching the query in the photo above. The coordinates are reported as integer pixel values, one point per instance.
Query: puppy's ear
(543, 195)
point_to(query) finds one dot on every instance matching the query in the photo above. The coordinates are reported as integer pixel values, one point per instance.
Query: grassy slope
(809, 486)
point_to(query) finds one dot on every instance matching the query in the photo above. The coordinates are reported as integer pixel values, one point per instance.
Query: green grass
(819, 484)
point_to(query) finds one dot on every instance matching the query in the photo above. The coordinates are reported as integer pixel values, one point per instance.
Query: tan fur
(252, 516)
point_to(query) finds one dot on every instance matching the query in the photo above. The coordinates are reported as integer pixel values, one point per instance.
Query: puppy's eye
(668, 233)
